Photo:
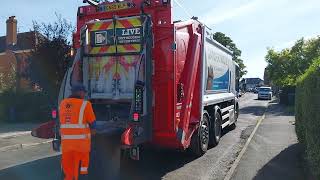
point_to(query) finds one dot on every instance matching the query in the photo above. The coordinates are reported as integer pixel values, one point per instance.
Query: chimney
(11, 38)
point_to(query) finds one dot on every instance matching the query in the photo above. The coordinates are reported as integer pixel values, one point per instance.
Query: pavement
(40, 162)
(274, 152)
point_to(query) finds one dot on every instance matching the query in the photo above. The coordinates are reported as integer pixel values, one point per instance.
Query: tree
(286, 66)
(50, 58)
(8, 79)
(228, 43)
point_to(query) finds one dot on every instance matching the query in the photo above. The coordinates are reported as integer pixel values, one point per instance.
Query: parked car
(265, 93)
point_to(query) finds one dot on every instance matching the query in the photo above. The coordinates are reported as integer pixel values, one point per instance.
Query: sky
(254, 25)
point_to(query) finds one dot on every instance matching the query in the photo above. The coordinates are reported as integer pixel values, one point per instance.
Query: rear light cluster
(138, 101)
(54, 114)
(81, 11)
(135, 117)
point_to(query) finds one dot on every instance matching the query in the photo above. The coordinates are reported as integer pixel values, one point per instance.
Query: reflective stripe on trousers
(84, 169)
(84, 163)
(70, 162)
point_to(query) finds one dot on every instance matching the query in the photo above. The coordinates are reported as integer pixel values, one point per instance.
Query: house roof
(25, 41)
(253, 80)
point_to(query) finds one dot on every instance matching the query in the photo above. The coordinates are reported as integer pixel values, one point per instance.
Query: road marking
(10, 148)
(22, 146)
(237, 161)
(14, 134)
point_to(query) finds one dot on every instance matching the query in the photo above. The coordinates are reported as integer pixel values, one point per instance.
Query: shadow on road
(256, 99)
(277, 109)
(253, 110)
(155, 164)
(47, 168)
(285, 166)
(104, 165)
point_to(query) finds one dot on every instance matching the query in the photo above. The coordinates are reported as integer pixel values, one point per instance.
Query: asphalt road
(40, 162)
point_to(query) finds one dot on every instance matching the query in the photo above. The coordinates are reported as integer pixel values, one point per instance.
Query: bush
(287, 95)
(24, 107)
(307, 110)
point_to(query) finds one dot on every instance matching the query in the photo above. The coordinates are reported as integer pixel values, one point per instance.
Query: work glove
(93, 127)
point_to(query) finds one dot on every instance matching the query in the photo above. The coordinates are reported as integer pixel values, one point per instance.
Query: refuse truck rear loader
(152, 80)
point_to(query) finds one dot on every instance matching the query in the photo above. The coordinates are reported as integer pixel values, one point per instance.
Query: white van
(265, 93)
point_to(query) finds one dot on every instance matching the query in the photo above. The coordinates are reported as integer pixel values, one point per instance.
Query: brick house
(15, 51)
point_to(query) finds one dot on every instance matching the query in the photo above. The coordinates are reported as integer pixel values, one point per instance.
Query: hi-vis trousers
(70, 164)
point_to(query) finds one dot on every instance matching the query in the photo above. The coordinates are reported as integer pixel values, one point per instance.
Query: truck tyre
(215, 128)
(200, 138)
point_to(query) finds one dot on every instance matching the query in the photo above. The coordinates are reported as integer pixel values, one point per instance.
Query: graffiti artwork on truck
(218, 74)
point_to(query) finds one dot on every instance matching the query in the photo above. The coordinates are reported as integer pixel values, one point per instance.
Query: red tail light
(81, 11)
(135, 117)
(127, 137)
(54, 114)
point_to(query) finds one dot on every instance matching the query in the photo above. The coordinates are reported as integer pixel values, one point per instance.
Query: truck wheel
(215, 128)
(200, 138)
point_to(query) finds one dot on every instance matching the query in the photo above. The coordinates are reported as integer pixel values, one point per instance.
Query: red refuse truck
(158, 82)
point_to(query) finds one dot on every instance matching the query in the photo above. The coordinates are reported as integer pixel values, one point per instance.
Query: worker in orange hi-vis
(76, 119)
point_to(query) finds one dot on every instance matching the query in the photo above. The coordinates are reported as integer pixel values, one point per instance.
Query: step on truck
(151, 80)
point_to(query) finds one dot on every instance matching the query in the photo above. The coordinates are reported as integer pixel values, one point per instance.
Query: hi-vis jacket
(75, 117)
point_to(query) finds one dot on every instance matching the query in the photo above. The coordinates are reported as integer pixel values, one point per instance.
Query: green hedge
(16, 107)
(307, 110)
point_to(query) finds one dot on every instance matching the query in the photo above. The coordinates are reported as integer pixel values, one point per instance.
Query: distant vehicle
(265, 93)
(255, 90)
